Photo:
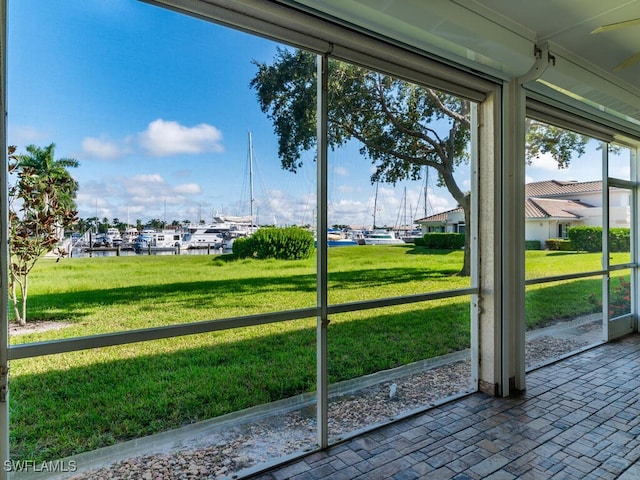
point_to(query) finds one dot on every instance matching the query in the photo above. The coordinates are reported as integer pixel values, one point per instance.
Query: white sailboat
(380, 236)
(242, 226)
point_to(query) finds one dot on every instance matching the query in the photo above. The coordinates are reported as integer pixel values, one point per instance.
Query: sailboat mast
(426, 186)
(251, 178)
(375, 207)
(404, 197)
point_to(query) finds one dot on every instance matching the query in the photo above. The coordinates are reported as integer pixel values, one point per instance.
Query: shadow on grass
(416, 250)
(546, 305)
(57, 413)
(562, 254)
(267, 293)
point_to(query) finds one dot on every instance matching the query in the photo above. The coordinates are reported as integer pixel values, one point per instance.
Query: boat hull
(378, 241)
(382, 238)
(342, 243)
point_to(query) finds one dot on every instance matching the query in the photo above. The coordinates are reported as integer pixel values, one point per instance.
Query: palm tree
(43, 163)
(41, 206)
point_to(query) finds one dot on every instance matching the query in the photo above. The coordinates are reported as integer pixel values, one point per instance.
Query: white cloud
(584, 168)
(97, 148)
(346, 189)
(438, 204)
(280, 208)
(349, 212)
(545, 162)
(341, 171)
(147, 196)
(188, 189)
(163, 138)
(150, 190)
(153, 178)
(19, 135)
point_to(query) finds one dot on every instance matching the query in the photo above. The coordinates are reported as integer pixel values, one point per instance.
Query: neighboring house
(451, 221)
(551, 207)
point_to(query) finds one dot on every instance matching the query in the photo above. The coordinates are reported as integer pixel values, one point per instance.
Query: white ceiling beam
(596, 87)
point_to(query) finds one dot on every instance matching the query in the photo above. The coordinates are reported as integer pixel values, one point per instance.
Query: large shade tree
(41, 206)
(401, 127)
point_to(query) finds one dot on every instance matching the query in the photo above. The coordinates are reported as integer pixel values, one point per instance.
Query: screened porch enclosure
(345, 123)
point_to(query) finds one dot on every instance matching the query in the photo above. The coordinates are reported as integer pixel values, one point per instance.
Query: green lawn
(69, 403)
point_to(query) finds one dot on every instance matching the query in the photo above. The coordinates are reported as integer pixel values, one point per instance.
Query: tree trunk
(466, 265)
(20, 318)
(466, 209)
(23, 319)
(464, 201)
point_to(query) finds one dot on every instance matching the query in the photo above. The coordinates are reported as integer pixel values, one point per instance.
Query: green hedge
(291, 243)
(532, 245)
(242, 247)
(589, 239)
(586, 239)
(619, 240)
(559, 244)
(441, 241)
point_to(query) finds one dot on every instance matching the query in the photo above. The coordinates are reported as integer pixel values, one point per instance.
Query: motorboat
(152, 240)
(336, 238)
(202, 237)
(219, 234)
(382, 237)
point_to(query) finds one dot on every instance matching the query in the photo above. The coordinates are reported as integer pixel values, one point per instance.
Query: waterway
(84, 253)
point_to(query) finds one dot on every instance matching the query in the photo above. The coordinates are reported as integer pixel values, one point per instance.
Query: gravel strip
(224, 453)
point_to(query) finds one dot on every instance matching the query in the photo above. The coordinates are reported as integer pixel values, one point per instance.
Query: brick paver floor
(578, 419)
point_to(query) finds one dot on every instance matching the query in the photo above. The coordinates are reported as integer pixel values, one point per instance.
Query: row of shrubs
(441, 241)
(294, 243)
(587, 239)
(581, 239)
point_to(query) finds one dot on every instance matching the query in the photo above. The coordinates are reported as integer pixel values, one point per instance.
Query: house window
(562, 230)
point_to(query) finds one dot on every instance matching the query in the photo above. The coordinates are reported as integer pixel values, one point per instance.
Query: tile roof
(549, 207)
(439, 217)
(538, 204)
(549, 188)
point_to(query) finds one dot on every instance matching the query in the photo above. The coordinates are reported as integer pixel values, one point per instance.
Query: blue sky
(157, 108)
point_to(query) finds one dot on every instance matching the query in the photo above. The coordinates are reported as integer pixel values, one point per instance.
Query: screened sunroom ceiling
(499, 38)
